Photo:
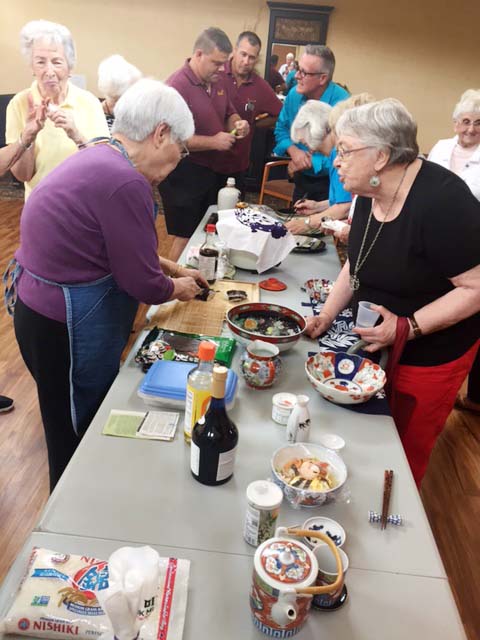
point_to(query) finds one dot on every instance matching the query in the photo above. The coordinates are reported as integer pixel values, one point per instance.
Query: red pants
(421, 400)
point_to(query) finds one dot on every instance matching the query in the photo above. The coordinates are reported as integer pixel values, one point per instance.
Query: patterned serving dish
(245, 336)
(344, 378)
(302, 495)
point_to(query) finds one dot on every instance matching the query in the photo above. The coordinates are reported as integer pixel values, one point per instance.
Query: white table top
(143, 490)
(379, 605)
(117, 490)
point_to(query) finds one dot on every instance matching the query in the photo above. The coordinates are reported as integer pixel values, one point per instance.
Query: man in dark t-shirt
(275, 79)
(193, 185)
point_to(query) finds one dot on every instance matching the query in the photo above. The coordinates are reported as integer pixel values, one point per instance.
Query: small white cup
(366, 316)
(327, 574)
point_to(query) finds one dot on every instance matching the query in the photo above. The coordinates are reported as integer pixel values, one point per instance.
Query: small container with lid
(263, 504)
(282, 407)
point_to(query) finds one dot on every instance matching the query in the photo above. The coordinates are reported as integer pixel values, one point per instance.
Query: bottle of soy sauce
(214, 438)
(208, 256)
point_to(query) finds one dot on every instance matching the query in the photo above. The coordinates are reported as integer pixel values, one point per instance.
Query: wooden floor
(451, 489)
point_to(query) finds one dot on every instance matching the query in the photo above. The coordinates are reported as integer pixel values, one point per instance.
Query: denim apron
(99, 320)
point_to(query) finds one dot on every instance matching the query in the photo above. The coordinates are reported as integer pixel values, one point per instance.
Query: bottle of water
(199, 383)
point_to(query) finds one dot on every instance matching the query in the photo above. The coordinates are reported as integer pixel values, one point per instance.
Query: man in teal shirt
(314, 82)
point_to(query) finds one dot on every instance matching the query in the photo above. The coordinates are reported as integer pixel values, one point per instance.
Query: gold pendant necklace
(354, 279)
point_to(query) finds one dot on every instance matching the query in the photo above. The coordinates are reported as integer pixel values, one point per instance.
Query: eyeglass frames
(302, 73)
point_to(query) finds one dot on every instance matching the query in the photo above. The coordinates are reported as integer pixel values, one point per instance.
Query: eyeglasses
(184, 152)
(465, 123)
(344, 153)
(302, 73)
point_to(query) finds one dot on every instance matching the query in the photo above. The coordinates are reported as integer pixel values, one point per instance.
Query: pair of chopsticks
(387, 492)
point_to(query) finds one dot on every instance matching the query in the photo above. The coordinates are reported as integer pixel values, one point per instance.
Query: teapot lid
(286, 562)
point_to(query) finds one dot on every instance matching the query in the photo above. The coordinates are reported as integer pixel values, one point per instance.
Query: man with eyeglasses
(314, 82)
(251, 96)
(193, 185)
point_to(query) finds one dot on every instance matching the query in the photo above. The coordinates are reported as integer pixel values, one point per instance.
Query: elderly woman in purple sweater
(88, 254)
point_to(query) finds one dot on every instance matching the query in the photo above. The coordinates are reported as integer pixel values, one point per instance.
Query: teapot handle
(328, 588)
(363, 343)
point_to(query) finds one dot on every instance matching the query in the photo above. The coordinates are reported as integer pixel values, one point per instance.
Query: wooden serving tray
(196, 316)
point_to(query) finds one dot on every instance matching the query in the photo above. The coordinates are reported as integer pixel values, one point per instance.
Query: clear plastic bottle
(208, 256)
(199, 384)
(228, 196)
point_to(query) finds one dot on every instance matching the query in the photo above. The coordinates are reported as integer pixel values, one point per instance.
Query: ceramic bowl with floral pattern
(344, 378)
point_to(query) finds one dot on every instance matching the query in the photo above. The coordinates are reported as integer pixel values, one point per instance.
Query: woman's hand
(383, 334)
(297, 225)
(343, 234)
(185, 272)
(36, 116)
(316, 325)
(308, 207)
(185, 288)
(64, 119)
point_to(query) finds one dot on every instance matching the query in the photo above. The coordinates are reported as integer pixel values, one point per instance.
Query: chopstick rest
(394, 519)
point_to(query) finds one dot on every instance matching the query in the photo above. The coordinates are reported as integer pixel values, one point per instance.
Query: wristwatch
(306, 222)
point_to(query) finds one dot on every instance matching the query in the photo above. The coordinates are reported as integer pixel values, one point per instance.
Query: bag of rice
(57, 598)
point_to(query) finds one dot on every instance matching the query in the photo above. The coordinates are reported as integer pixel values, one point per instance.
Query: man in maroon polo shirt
(193, 185)
(252, 97)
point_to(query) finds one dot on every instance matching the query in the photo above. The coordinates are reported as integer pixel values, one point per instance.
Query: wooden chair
(282, 189)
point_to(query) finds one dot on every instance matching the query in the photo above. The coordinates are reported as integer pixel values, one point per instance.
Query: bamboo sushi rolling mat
(197, 316)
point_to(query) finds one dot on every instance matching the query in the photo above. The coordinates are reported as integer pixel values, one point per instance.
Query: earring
(374, 181)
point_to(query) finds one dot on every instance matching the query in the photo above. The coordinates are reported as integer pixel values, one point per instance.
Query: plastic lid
(264, 494)
(210, 228)
(230, 182)
(206, 350)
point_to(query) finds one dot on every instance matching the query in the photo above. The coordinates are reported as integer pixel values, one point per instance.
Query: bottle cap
(206, 350)
(218, 382)
(230, 182)
(211, 228)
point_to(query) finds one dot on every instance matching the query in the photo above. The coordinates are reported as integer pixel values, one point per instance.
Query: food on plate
(267, 324)
(308, 473)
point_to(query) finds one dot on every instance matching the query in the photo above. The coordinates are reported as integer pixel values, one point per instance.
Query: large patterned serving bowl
(300, 492)
(264, 310)
(344, 378)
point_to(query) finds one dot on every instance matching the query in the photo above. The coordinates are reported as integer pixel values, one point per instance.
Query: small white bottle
(298, 425)
(228, 196)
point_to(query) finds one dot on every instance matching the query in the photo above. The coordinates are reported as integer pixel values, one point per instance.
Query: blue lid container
(166, 384)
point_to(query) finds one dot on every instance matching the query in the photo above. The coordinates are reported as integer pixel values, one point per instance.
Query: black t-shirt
(435, 237)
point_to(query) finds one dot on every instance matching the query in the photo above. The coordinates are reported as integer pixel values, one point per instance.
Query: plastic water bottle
(199, 383)
(228, 196)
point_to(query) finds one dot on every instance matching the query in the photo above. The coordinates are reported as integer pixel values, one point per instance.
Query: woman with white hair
(115, 76)
(401, 258)
(64, 116)
(461, 154)
(88, 253)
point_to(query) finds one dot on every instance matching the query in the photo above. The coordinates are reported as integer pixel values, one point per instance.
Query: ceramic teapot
(260, 364)
(283, 585)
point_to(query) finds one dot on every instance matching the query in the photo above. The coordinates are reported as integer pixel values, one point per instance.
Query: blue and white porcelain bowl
(344, 378)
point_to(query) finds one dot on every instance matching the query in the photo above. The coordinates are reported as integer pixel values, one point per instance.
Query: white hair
(468, 103)
(311, 124)
(115, 75)
(290, 56)
(148, 103)
(385, 124)
(52, 32)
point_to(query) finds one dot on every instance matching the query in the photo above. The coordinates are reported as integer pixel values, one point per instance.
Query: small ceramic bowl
(344, 378)
(302, 496)
(325, 525)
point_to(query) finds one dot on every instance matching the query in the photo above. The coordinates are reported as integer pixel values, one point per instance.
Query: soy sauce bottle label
(226, 462)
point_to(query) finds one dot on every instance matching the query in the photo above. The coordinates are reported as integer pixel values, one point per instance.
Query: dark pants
(186, 195)
(310, 187)
(44, 346)
(473, 392)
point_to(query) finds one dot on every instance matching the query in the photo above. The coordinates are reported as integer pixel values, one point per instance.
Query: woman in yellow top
(64, 117)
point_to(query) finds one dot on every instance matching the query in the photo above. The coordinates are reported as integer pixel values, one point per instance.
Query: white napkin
(254, 231)
(133, 575)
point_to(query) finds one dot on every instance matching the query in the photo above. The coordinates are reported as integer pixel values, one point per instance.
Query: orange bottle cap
(206, 350)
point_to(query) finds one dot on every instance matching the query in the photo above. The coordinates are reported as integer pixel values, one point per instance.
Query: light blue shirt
(294, 100)
(336, 192)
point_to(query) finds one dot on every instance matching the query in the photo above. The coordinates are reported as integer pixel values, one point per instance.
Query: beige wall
(424, 52)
